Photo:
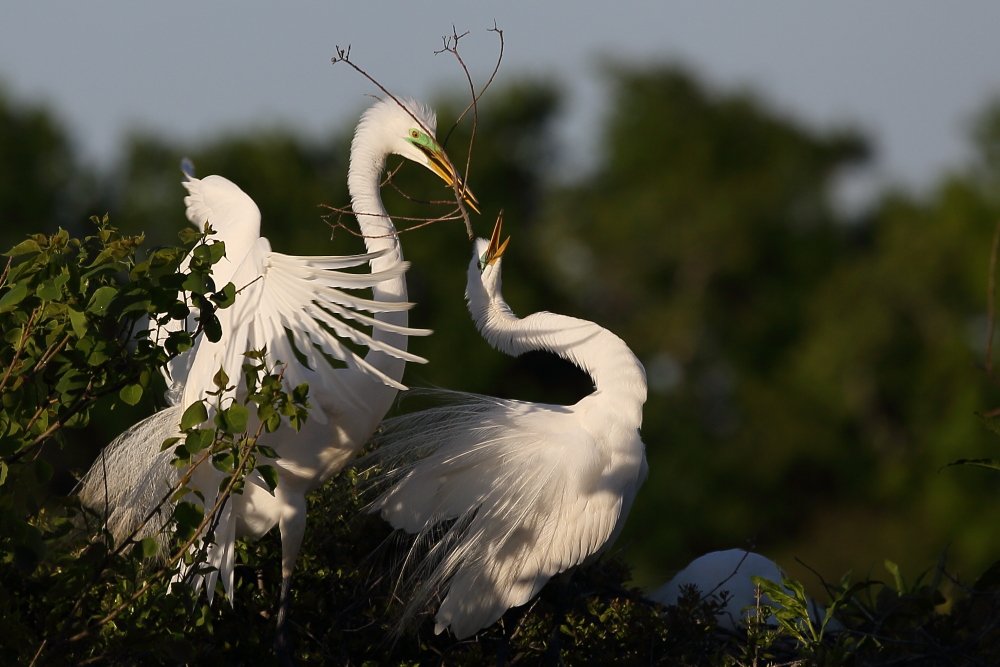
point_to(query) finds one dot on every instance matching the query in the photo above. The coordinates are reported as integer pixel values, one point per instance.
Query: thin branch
(3, 276)
(49, 354)
(451, 46)
(423, 222)
(474, 105)
(20, 348)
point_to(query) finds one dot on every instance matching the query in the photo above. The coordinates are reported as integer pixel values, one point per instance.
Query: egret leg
(282, 642)
(511, 624)
(293, 527)
(552, 656)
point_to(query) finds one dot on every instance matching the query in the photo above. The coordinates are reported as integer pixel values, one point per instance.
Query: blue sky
(909, 71)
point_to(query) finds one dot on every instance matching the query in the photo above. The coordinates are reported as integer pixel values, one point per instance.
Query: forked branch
(460, 213)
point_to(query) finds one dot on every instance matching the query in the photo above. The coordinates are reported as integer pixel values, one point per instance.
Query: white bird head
(406, 127)
(484, 269)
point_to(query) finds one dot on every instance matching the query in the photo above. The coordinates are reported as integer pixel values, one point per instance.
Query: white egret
(301, 298)
(530, 489)
(730, 572)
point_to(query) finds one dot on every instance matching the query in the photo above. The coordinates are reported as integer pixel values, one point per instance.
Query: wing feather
(530, 491)
(302, 315)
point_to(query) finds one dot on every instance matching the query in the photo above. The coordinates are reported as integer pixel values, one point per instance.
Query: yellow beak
(441, 165)
(495, 249)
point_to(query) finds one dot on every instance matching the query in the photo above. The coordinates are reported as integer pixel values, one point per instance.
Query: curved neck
(379, 233)
(617, 374)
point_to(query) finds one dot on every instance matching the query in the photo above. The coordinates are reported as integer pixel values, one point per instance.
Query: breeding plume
(531, 489)
(304, 296)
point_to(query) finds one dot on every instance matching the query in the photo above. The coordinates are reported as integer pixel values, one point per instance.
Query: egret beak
(495, 249)
(441, 165)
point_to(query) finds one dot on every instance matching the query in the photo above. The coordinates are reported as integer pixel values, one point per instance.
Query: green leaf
(78, 320)
(188, 235)
(149, 547)
(168, 443)
(131, 393)
(196, 282)
(3, 472)
(212, 327)
(267, 451)
(188, 517)
(102, 297)
(217, 251)
(194, 415)
(270, 476)
(893, 569)
(13, 297)
(23, 248)
(992, 464)
(221, 380)
(48, 291)
(199, 440)
(233, 419)
(71, 381)
(178, 341)
(992, 423)
(203, 254)
(225, 297)
(224, 462)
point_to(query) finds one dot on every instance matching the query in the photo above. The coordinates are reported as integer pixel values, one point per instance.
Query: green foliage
(74, 335)
(82, 321)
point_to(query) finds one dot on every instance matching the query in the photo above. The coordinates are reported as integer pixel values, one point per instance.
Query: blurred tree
(41, 186)
(808, 377)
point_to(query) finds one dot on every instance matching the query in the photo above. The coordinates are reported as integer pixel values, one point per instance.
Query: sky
(908, 72)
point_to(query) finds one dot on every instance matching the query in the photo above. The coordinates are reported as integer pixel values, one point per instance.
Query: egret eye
(415, 133)
(480, 265)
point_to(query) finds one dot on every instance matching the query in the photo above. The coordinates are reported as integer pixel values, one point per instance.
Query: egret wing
(235, 220)
(304, 314)
(529, 490)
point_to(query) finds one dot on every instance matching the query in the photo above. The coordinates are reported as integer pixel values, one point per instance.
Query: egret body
(304, 296)
(531, 489)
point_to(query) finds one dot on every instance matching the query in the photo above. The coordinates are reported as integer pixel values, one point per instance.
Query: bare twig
(474, 105)
(450, 46)
(422, 222)
(344, 56)
(3, 276)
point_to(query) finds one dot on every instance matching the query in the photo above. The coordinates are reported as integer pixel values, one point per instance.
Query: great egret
(730, 571)
(530, 489)
(301, 296)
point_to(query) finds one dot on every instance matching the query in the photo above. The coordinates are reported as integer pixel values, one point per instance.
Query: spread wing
(303, 310)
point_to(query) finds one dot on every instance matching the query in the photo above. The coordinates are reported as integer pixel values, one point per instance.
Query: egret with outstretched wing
(287, 300)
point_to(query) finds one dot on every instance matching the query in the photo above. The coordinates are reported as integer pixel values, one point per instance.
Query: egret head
(484, 268)
(407, 129)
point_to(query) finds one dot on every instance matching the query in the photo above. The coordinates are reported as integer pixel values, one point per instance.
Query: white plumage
(285, 299)
(532, 489)
(730, 572)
